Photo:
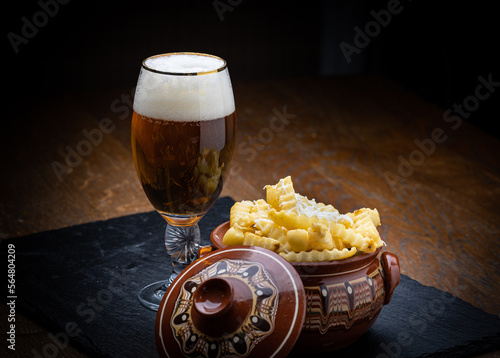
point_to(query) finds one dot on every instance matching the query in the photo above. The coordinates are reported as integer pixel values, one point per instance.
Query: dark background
(435, 48)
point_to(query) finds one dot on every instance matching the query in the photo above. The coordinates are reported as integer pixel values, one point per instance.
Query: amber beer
(183, 133)
(178, 175)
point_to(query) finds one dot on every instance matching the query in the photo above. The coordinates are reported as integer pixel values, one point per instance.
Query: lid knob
(213, 297)
(221, 305)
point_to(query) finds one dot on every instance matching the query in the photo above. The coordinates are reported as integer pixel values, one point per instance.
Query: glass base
(182, 243)
(151, 295)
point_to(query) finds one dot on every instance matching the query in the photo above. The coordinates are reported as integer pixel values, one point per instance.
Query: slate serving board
(82, 281)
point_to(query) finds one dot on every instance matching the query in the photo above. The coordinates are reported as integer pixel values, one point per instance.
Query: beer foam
(179, 97)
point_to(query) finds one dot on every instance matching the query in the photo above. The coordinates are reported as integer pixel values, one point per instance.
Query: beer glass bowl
(183, 133)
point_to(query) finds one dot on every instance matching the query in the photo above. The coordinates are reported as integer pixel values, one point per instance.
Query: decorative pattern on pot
(338, 306)
(252, 321)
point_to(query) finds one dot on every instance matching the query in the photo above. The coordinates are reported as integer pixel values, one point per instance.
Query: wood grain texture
(341, 139)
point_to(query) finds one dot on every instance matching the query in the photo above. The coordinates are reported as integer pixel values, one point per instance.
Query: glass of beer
(183, 138)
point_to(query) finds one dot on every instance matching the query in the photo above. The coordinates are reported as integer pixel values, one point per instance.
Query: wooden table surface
(351, 141)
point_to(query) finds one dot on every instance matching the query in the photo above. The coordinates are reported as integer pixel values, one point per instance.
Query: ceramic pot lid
(241, 301)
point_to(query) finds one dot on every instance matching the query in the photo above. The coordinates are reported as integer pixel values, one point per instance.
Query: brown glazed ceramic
(238, 302)
(343, 298)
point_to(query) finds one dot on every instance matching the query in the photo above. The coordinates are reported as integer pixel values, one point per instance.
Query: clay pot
(343, 298)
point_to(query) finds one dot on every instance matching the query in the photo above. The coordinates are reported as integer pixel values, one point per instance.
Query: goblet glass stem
(182, 243)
